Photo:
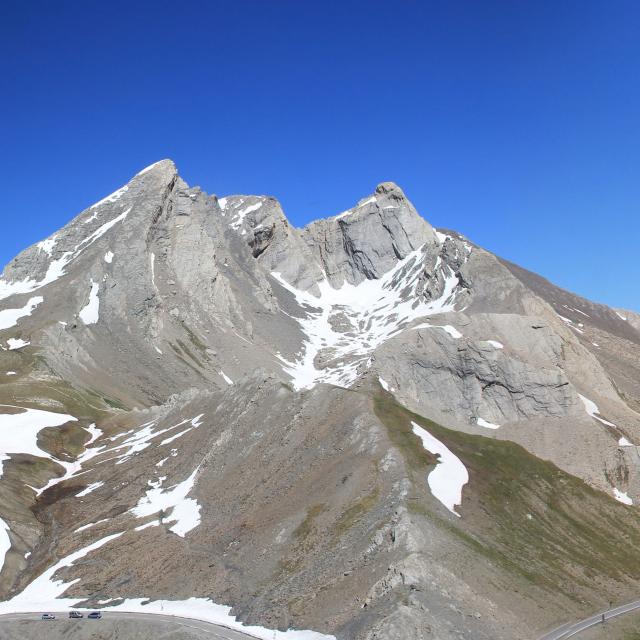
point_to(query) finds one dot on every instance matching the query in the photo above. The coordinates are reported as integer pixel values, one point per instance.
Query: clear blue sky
(516, 123)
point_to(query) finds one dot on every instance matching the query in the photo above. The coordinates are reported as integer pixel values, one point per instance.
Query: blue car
(95, 615)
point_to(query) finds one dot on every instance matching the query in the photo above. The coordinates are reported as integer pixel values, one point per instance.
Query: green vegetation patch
(196, 341)
(522, 512)
(353, 514)
(53, 394)
(302, 531)
(67, 440)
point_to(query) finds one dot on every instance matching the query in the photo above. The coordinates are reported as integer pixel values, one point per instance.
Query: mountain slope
(240, 411)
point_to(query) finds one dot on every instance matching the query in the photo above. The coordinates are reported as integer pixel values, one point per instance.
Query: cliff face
(165, 336)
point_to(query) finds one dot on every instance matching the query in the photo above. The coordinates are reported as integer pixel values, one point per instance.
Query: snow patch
(449, 476)
(108, 257)
(141, 173)
(362, 203)
(42, 593)
(84, 527)
(19, 431)
(92, 487)
(48, 244)
(495, 344)
(89, 314)
(5, 542)
(487, 425)
(226, 378)
(17, 343)
(114, 197)
(621, 316)
(452, 331)
(185, 512)
(152, 263)
(623, 442)
(143, 438)
(239, 217)
(592, 409)
(622, 496)
(9, 317)
(385, 385)
(175, 437)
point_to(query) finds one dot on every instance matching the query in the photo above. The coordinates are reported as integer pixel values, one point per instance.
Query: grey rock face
(367, 241)
(476, 380)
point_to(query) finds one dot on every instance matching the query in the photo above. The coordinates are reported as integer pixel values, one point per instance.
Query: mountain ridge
(251, 392)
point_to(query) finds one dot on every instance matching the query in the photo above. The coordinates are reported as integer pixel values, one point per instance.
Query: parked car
(75, 614)
(48, 616)
(95, 615)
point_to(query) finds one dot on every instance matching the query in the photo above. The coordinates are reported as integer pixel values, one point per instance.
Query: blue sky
(515, 123)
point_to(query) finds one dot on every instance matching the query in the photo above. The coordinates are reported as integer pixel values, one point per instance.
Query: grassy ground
(524, 513)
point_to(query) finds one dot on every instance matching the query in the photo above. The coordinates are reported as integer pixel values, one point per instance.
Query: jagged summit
(390, 187)
(164, 165)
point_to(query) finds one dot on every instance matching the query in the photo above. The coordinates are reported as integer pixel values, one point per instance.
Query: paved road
(573, 629)
(213, 631)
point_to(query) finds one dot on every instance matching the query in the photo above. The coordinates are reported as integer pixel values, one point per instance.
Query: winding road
(213, 631)
(217, 632)
(573, 629)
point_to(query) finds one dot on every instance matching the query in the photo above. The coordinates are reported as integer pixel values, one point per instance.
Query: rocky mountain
(366, 428)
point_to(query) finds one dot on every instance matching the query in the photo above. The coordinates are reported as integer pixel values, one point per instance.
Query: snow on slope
(240, 215)
(592, 409)
(449, 476)
(44, 594)
(57, 267)
(73, 469)
(185, 512)
(90, 313)
(114, 197)
(17, 343)
(452, 331)
(481, 422)
(90, 489)
(226, 378)
(144, 436)
(9, 317)
(376, 311)
(5, 542)
(19, 431)
(621, 496)
(41, 594)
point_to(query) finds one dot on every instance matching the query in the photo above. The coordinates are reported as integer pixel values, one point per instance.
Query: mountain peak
(161, 165)
(390, 188)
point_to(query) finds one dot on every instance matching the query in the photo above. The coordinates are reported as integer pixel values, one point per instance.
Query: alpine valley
(364, 429)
